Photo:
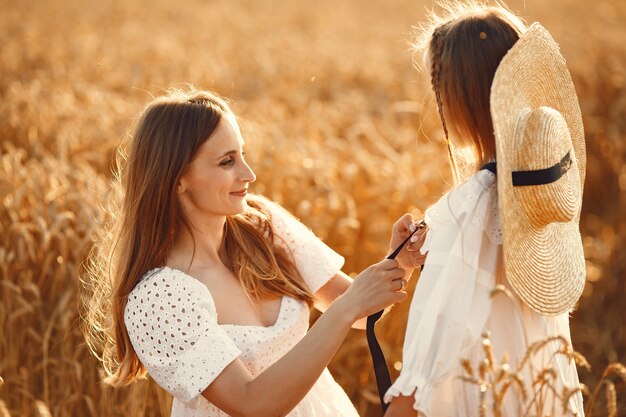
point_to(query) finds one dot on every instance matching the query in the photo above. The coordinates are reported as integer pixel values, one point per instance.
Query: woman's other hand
(410, 257)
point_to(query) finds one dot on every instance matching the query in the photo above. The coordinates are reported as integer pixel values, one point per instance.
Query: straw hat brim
(545, 265)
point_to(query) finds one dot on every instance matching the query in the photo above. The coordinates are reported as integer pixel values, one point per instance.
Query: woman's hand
(377, 287)
(410, 256)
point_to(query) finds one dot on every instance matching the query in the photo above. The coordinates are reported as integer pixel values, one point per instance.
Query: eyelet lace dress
(452, 307)
(172, 324)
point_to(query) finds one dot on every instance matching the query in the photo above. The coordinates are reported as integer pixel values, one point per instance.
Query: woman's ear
(180, 187)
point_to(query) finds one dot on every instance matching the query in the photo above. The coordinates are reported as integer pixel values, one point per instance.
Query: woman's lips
(241, 193)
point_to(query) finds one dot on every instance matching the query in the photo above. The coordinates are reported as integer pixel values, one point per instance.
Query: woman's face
(216, 181)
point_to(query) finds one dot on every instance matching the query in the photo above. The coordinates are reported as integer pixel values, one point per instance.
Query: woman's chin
(240, 206)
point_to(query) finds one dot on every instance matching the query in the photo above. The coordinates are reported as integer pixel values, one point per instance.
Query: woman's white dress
(452, 307)
(173, 326)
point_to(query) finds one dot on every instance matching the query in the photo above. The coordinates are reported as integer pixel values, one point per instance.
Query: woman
(506, 99)
(208, 289)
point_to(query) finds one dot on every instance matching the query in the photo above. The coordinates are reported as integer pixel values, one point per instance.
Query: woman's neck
(200, 247)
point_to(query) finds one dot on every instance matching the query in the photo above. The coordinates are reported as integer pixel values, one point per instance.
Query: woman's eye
(227, 162)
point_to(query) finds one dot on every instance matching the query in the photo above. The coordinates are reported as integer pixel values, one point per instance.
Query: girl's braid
(435, 73)
(435, 77)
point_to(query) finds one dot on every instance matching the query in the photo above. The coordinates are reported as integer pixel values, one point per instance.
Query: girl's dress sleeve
(172, 324)
(452, 300)
(316, 262)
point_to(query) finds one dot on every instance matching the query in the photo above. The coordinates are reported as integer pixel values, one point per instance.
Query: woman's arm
(283, 385)
(409, 258)
(333, 289)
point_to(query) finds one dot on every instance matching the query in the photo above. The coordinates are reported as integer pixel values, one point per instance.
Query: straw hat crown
(541, 168)
(544, 141)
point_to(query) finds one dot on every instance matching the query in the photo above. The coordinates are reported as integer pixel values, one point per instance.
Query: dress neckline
(279, 316)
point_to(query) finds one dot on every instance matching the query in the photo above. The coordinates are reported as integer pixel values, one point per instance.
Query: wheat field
(340, 128)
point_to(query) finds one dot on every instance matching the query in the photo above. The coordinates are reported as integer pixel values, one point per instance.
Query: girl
(476, 234)
(208, 289)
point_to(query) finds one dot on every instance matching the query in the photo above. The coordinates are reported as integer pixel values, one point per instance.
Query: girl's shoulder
(481, 185)
(474, 201)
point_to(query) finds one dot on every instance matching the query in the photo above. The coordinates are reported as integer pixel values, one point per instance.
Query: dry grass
(340, 129)
(534, 378)
(539, 390)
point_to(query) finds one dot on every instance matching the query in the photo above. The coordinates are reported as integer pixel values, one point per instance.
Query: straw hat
(541, 170)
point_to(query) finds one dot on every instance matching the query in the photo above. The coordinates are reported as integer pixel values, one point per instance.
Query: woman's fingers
(397, 273)
(399, 284)
(391, 269)
(405, 225)
(406, 220)
(409, 222)
(420, 260)
(388, 264)
(400, 296)
(378, 286)
(417, 240)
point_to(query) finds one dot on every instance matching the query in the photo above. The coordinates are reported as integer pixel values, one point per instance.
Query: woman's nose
(247, 175)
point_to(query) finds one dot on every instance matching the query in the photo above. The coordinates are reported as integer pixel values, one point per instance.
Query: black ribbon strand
(383, 379)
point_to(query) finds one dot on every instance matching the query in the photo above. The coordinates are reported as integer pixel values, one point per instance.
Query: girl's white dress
(173, 326)
(452, 307)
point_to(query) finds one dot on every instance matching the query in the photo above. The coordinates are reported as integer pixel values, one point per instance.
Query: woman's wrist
(343, 311)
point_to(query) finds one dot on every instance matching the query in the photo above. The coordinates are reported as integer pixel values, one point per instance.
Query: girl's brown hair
(144, 218)
(463, 48)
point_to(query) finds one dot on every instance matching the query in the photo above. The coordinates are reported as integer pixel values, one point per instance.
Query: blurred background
(340, 128)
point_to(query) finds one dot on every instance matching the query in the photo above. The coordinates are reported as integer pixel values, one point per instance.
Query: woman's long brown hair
(463, 48)
(144, 217)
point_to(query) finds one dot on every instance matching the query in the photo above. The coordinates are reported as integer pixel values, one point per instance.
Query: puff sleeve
(316, 262)
(172, 324)
(451, 303)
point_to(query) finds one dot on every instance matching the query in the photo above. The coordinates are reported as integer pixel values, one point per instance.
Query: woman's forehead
(225, 138)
